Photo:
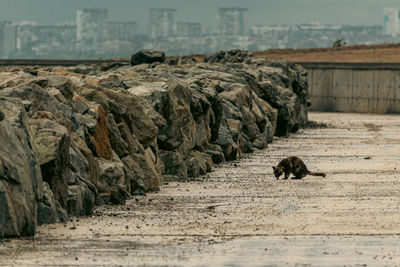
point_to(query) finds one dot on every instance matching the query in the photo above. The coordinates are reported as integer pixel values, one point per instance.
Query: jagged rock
(175, 164)
(49, 210)
(61, 83)
(216, 153)
(180, 132)
(130, 110)
(147, 56)
(81, 199)
(110, 66)
(142, 172)
(225, 141)
(51, 143)
(81, 192)
(198, 163)
(36, 99)
(101, 137)
(97, 139)
(20, 177)
(179, 60)
(112, 82)
(118, 196)
(111, 175)
(231, 56)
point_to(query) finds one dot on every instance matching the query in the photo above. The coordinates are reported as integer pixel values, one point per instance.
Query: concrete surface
(239, 215)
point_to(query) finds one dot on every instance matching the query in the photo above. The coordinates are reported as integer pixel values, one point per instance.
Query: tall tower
(8, 38)
(162, 22)
(91, 25)
(391, 21)
(189, 29)
(232, 21)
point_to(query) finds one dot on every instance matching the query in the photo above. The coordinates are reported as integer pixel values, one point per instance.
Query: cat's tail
(317, 173)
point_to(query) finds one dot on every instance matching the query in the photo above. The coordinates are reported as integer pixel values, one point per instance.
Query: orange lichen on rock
(100, 139)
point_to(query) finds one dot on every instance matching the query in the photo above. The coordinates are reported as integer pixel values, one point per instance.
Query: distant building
(91, 25)
(46, 40)
(232, 21)
(391, 21)
(8, 38)
(121, 31)
(162, 22)
(264, 29)
(189, 29)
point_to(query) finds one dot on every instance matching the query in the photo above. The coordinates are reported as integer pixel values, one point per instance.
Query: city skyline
(95, 33)
(261, 12)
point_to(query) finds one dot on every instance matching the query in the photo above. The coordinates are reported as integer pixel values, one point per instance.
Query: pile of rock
(71, 140)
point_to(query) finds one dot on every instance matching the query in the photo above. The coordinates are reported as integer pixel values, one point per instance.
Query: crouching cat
(296, 166)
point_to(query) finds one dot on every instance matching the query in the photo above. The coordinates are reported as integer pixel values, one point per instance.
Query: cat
(296, 166)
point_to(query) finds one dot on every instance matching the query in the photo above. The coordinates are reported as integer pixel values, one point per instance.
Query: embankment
(74, 137)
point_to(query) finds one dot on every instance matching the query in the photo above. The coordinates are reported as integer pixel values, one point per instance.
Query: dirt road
(383, 53)
(240, 215)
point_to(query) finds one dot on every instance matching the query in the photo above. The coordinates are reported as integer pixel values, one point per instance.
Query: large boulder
(20, 176)
(49, 209)
(147, 56)
(82, 191)
(51, 144)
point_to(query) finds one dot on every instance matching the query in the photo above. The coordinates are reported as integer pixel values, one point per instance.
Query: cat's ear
(273, 167)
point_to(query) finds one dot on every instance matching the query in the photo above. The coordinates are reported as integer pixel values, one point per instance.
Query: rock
(122, 146)
(231, 56)
(49, 210)
(147, 56)
(97, 139)
(51, 143)
(61, 83)
(216, 153)
(225, 141)
(179, 60)
(175, 164)
(128, 108)
(81, 192)
(20, 177)
(118, 196)
(80, 199)
(111, 176)
(180, 132)
(112, 82)
(142, 172)
(36, 99)
(198, 163)
(110, 66)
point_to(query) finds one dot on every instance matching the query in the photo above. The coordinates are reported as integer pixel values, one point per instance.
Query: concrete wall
(354, 87)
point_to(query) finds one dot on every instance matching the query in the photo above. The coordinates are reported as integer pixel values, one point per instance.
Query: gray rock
(147, 56)
(175, 164)
(20, 177)
(81, 199)
(198, 163)
(49, 209)
(51, 144)
(216, 153)
(111, 176)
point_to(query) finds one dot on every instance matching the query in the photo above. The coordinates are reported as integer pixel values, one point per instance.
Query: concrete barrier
(354, 87)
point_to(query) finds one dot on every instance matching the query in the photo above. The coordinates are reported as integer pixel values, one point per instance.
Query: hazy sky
(354, 12)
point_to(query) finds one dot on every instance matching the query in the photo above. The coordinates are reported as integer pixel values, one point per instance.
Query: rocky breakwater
(75, 137)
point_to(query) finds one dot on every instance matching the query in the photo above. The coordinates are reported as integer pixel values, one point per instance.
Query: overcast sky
(353, 12)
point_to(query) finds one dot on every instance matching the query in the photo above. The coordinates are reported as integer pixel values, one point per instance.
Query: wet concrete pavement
(240, 215)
